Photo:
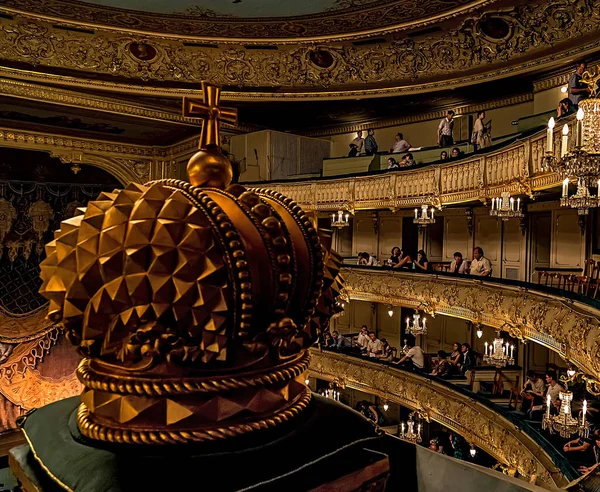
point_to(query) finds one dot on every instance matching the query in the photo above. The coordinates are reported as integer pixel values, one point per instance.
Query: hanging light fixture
(498, 354)
(408, 431)
(385, 406)
(390, 312)
(416, 326)
(479, 331)
(582, 163)
(505, 207)
(564, 423)
(472, 451)
(341, 219)
(426, 216)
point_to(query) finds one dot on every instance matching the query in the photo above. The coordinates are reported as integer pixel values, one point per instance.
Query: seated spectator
(456, 153)
(353, 150)
(480, 266)
(580, 451)
(458, 266)
(399, 258)
(553, 389)
(565, 108)
(443, 367)
(422, 263)
(405, 348)
(374, 347)
(534, 385)
(340, 341)
(363, 338)
(469, 358)
(387, 352)
(365, 259)
(370, 142)
(456, 357)
(328, 340)
(414, 358)
(393, 164)
(407, 160)
(434, 445)
(400, 145)
(443, 155)
(370, 411)
(595, 451)
(459, 446)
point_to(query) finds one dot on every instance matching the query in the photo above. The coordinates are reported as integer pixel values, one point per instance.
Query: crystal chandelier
(505, 207)
(582, 163)
(416, 326)
(564, 423)
(407, 431)
(426, 216)
(497, 355)
(334, 390)
(340, 219)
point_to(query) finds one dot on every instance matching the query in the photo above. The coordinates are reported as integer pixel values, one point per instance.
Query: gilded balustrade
(570, 328)
(515, 168)
(478, 423)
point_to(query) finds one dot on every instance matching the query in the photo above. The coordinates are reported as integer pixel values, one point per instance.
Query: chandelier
(334, 390)
(505, 207)
(340, 219)
(497, 355)
(582, 163)
(425, 217)
(407, 431)
(416, 326)
(564, 423)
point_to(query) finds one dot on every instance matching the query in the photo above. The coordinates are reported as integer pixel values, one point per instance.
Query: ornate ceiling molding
(516, 168)
(355, 21)
(570, 328)
(528, 37)
(478, 423)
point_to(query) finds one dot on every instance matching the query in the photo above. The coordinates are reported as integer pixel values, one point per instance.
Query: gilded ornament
(8, 214)
(192, 305)
(40, 214)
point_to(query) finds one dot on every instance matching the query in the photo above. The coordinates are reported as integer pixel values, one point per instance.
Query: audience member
(353, 150)
(445, 129)
(443, 155)
(393, 164)
(359, 141)
(365, 259)
(456, 357)
(458, 265)
(456, 154)
(363, 338)
(595, 452)
(480, 265)
(534, 385)
(582, 451)
(443, 368)
(369, 410)
(414, 358)
(341, 342)
(577, 90)
(407, 160)
(400, 145)
(565, 108)
(469, 358)
(328, 340)
(374, 347)
(387, 353)
(481, 136)
(421, 263)
(553, 390)
(399, 259)
(459, 446)
(370, 142)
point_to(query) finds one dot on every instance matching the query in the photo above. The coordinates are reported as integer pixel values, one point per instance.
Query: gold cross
(210, 112)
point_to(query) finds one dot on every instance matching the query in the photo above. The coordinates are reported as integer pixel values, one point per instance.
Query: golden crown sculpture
(192, 304)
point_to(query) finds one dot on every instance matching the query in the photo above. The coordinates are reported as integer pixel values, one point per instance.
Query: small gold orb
(210, 168)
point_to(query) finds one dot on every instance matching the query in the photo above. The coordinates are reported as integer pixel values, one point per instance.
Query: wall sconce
(385, 406)
(391, 312)
(472, 451)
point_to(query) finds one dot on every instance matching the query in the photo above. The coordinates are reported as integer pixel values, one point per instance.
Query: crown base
(141, 410)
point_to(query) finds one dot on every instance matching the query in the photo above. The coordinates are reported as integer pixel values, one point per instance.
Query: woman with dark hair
(443, 155)
(365, 259)
(565, 108)
(399, 258)
(422, 263)
(443, 367)
(456, 356)
(393, 164)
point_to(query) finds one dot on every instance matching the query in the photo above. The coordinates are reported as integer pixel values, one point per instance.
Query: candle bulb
(512, 351)
(565, 189)
(565, 140)
(432, 210)
(548, 405)
(486, 350)
(584, 412)
(402, 428)
(407, 322)
(518, 204)
(579, 129)
(550, 136)
(493, 203)
(416, 212)
(512, 203)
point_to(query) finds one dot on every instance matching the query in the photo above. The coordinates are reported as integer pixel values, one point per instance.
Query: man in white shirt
(415, 356)
(400, 145)
(445, 129)
(359, 141)
(363, 338)
(374, 347)
(480, 266)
